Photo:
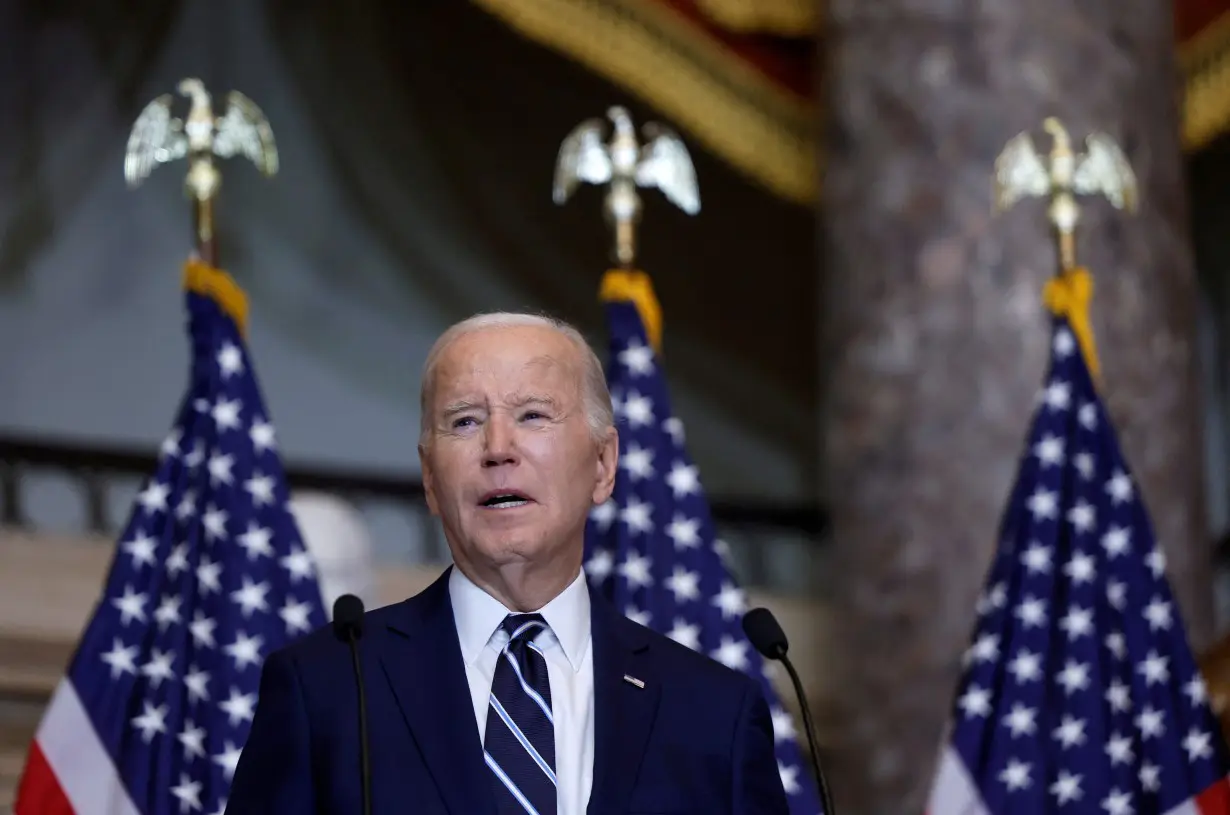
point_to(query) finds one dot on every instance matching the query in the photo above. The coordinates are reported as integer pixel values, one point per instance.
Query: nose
(499, 444)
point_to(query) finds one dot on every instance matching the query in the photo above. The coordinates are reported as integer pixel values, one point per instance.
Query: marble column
(935, 338)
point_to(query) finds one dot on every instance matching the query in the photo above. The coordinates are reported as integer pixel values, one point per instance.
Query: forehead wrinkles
(503, 380)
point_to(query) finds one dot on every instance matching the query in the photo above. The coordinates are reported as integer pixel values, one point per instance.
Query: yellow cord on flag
(220, 287)
(1069, 295)
(634, 286)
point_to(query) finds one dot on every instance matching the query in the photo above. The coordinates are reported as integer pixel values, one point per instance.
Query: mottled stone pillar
(935, 337)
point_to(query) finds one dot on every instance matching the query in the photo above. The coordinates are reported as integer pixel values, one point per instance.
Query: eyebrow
(459, 407)
(521, 400)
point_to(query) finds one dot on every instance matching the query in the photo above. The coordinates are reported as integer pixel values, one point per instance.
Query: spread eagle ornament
(1021, 172)
(623, 164)
(158, 137)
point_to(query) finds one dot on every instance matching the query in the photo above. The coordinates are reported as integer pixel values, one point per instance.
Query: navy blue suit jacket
(697, 738)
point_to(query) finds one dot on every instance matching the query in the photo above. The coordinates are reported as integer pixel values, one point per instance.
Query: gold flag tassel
(1068, 296)
(634, 286)
(217, 285)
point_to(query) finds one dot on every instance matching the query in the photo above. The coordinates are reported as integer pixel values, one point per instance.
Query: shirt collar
(478, 616)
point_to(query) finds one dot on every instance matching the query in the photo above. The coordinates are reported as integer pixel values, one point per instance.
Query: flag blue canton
(1079, 691)
(209, 577)
(652, 548)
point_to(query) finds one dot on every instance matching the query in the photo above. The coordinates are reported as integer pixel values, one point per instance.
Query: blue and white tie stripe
(519, 746)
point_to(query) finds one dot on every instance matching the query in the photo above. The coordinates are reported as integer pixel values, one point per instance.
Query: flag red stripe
(1215, 800)
(39, 792)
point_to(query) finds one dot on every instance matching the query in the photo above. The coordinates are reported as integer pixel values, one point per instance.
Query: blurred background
(844, 162)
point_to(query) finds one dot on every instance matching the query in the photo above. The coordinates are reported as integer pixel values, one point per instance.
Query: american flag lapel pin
(632, 680)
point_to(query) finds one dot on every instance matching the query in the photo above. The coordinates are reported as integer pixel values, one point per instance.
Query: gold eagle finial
(158, 137)
(1102, 169)
(623, 164)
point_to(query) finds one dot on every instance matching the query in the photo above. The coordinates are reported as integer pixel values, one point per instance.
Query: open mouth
(504, 499)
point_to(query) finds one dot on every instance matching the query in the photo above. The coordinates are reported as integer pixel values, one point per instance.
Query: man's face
(510, 464)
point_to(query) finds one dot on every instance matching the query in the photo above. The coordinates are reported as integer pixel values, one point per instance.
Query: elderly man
(506, 686)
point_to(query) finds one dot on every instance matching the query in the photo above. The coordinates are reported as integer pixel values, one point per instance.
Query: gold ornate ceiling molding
(789, 18)
(1205, 61)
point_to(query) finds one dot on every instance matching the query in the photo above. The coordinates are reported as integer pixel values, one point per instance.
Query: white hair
(595, 394)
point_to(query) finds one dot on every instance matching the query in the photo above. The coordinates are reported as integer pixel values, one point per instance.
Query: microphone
(348, 627)
(767, 637)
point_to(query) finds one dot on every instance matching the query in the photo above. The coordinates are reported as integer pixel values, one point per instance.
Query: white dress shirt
(570, 667)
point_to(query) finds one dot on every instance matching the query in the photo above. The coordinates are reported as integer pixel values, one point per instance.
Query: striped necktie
(519, 746)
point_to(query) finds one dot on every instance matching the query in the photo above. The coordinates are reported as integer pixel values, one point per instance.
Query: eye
(462, 421)
(532, 414)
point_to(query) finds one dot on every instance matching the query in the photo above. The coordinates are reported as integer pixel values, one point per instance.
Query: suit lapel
(422, 661)
(623, 711)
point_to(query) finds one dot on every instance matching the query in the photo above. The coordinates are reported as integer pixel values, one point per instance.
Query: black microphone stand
(826, 800)
(365, 764)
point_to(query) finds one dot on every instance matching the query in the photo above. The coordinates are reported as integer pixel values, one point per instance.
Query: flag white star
(636, 570)
(260, 487)
(683, 479)
(732, 653)
(131, 605)
(192, 737)
(220, 469)
(151, 722)
(296, 616)
(202, 629)
(637, 358)
(638, 410)
(239, 707)
(228, 759)
(1016, 775)
(731, 600)
(1020, 721)
(298, 563)
(153, 498)
(245, 650)
(188, 792)
(685, 532)
(197, 683)
(225, 414)
(638, 461)
(122, 659)
(783, 725)
(1049, 451)
(975, 701)
(262, 435)
(684, 584)
(158, 667)
(1071, 732)
(1067, 787)
(685, 633)
(1057, 396)
(142, 549)
(257, 541)
(230, 359)
(251, 597)
(167, 613)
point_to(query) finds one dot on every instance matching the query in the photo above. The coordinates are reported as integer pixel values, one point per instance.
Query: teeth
(502, 501)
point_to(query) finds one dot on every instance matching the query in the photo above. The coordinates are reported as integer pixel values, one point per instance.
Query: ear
(429, 490)
(607, 466)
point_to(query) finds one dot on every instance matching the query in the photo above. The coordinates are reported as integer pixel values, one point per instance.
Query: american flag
(652, 548)
(210, 575)
(1079, 692)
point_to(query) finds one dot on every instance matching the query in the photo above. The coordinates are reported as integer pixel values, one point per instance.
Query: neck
(523, 587)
